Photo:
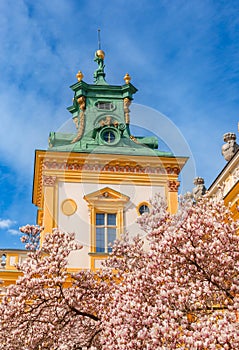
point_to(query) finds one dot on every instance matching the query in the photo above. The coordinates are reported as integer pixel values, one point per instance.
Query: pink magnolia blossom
(47, 308)
(180, 291)
(183, 292)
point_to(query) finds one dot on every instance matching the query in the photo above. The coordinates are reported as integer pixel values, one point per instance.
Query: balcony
(9, 258)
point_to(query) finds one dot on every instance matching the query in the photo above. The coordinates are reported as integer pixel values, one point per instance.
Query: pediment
(106, 194)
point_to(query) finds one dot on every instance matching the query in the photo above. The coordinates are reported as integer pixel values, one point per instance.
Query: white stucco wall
(79, 221)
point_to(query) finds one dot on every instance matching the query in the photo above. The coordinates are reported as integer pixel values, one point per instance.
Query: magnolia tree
(47, 309)
(178, 291)
(183, 292)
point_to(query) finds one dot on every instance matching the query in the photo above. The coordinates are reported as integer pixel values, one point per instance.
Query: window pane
(109, 136)
(105, 231)
(111, 232)
(105, 105)
(100, 239)
(111, 235)
(111, 219)
(100, 219)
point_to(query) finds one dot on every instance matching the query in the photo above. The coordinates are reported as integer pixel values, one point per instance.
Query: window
(143, 208)
(109, 136)
(107, 106)
(105, 231)
(3, 260)
(106, 222)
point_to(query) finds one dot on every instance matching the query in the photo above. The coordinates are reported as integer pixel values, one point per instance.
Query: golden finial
(100, 54)
(79, 76)
(127, 78)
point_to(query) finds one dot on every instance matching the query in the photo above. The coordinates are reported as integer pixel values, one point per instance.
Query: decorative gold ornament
(80, 121)
(100, 54)
(79, 75)
(107, 121)
(127, 103)
(76, 122)
(127, 78)
(81, 102)
(133, 138)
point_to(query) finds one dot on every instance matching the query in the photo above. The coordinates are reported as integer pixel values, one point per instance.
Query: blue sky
(182, 55)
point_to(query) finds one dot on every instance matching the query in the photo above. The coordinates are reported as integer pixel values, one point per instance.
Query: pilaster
(50, 204)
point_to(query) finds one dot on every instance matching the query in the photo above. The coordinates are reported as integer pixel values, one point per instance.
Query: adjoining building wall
(226, 184)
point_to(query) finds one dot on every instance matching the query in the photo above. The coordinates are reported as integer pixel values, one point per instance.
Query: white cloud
(14, 232)
(182, 56)
(6, 223)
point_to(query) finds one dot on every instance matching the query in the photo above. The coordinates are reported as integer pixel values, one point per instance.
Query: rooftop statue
(199, 190)
(99, 73)
(230, 147)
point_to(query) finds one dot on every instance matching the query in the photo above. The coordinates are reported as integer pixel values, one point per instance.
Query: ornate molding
(235, 175)
(49, 180)
(39, 185)
(75, 166)
(107, 121)
(172, 170)
(173, 185)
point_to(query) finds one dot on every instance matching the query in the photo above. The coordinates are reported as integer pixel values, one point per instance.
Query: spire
(99, 41)
(99, 74)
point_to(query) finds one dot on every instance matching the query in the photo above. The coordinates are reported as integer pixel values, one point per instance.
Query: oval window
(109, 136)
(106, 106)
(143, 208)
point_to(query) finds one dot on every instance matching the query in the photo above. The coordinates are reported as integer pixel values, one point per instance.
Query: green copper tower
(102, 118)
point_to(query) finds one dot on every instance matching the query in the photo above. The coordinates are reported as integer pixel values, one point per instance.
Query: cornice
(73, 160)
(102, 168)
(227, 171)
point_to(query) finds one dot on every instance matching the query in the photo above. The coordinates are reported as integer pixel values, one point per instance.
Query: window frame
(106, 228)
(105, 105)
(107, 201)
(140, 205)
